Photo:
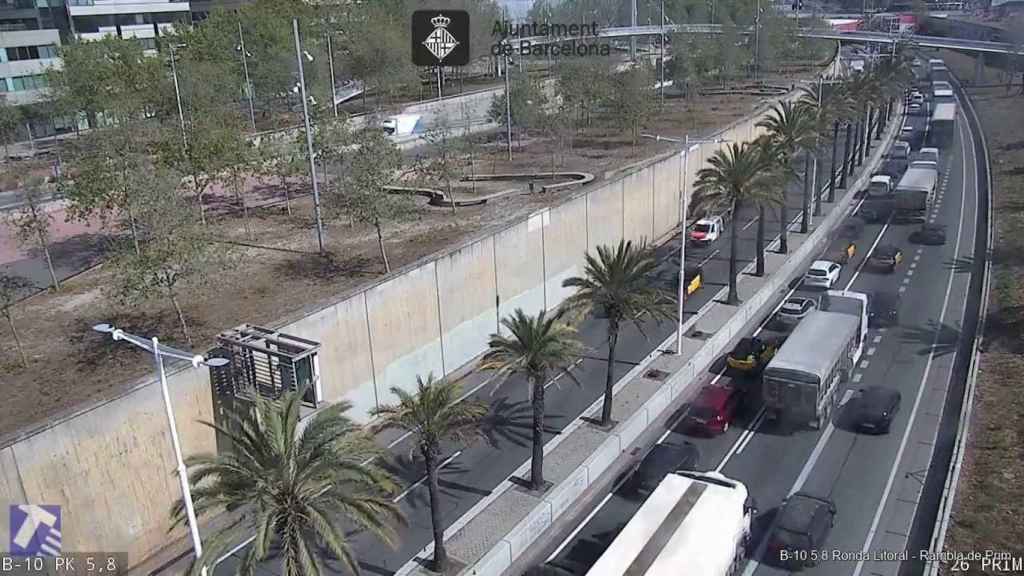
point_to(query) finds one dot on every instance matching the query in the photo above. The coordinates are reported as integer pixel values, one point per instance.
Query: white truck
(915, 192)
(880, 186)
(402, 125)
(707, 230)
(693, 523)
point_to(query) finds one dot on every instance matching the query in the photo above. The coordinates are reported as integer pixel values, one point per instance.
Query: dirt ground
(71, 365)
(989, 512)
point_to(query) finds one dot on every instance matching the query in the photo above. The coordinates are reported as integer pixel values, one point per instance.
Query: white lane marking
(913, 264)
(910, 273)
(709, 257)
(931, 219)
(753, 564)
(876, 339)
(746, 442)
(903, 289)
(919, 250)
(906, 281)
(867, 256)
(872, 350)
(924, 377)
(580, 527)
(749, 224)
(864, 364)
(416, 484)
(857, 377)
(560, 374)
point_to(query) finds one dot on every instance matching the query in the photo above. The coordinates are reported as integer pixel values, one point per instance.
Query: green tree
(733, 180)
(172, 258)
(535, 347)
(11, 288)
(582, 85)
(445, 162)
(374, 43)
(368, 163)
(528, 104)
(791, 129)
(108, 174)
(632, 99)
(292, 486)
(617, 283)
(10, 121)
(433, 415)
(31, 222)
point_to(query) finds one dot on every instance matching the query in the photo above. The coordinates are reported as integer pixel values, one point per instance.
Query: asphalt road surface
(866, 476)
(471, 472)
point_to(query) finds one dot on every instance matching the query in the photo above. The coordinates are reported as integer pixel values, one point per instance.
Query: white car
(914, 107)
(822, 274)
(916, 97)
(907, 130)
(941, 89)
(794, 310)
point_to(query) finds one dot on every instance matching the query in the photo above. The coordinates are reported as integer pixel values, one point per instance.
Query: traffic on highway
(824, 417)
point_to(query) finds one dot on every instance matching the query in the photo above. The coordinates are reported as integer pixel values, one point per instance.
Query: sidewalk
(490, 537)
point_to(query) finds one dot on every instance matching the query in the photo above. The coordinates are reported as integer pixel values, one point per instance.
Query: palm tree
(434, 415)
(734, 179)
(291, 486)
(536, 347)
(774, 179)
(791, 130)
(618, 283)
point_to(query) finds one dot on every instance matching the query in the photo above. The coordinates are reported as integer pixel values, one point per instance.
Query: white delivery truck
(402, 125)
(915, 192)
(693, 523)
(880, 186)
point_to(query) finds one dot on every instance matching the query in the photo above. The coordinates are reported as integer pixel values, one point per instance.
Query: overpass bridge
(858, 37)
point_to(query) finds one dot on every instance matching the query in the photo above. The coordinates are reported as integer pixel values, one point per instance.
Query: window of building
(3, 85)
(17, 53)
(147, 43)
(22, 83)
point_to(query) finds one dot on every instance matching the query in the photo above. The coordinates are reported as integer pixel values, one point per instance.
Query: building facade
(144, 20)
(25, 56)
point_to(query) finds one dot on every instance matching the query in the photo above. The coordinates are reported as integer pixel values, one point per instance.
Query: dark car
(930, 234)
(713, 409)
(872, 408)
(751, 354)
(662, 459)
(886, 257)
(803, 525)
(884, 309)
(876, 210)
(852, 229)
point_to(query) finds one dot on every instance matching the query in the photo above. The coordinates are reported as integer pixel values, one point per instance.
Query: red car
(713, 409)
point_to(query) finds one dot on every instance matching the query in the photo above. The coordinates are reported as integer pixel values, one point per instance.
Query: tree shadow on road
(939, 340)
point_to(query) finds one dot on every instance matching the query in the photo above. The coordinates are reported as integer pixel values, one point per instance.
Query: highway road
(875, 481)
(471, 472)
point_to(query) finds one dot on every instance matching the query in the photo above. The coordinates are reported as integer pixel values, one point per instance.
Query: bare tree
(445, 163)
(11, 288)
(32, 222)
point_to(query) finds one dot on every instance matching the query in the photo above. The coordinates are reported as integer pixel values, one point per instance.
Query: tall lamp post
(159, 352)
(177, 97)
(683, 200)
(309, 139)
(245, 68)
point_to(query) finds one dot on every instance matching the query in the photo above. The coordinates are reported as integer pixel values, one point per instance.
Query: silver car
(793, 310)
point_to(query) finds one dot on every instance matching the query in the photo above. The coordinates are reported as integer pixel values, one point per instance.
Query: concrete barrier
(566, 493)
(599, 461)
(528, 529)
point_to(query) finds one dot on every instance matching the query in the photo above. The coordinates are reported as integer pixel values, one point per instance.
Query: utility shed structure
(267, 363)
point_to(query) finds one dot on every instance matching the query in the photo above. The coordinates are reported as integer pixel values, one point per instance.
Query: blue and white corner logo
(35, 530)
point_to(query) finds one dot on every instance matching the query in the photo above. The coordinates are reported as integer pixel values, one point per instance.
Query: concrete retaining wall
(110, 466)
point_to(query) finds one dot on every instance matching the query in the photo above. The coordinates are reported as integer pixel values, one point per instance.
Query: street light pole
(662, 85)
(248, 83)
(508, 106)
(683, 210)
(177, 96)
(334, 89)
(757, 38)
(309, 139)
(158, 351)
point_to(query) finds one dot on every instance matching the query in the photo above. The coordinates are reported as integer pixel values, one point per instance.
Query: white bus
(693, 523)
(800, 381)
